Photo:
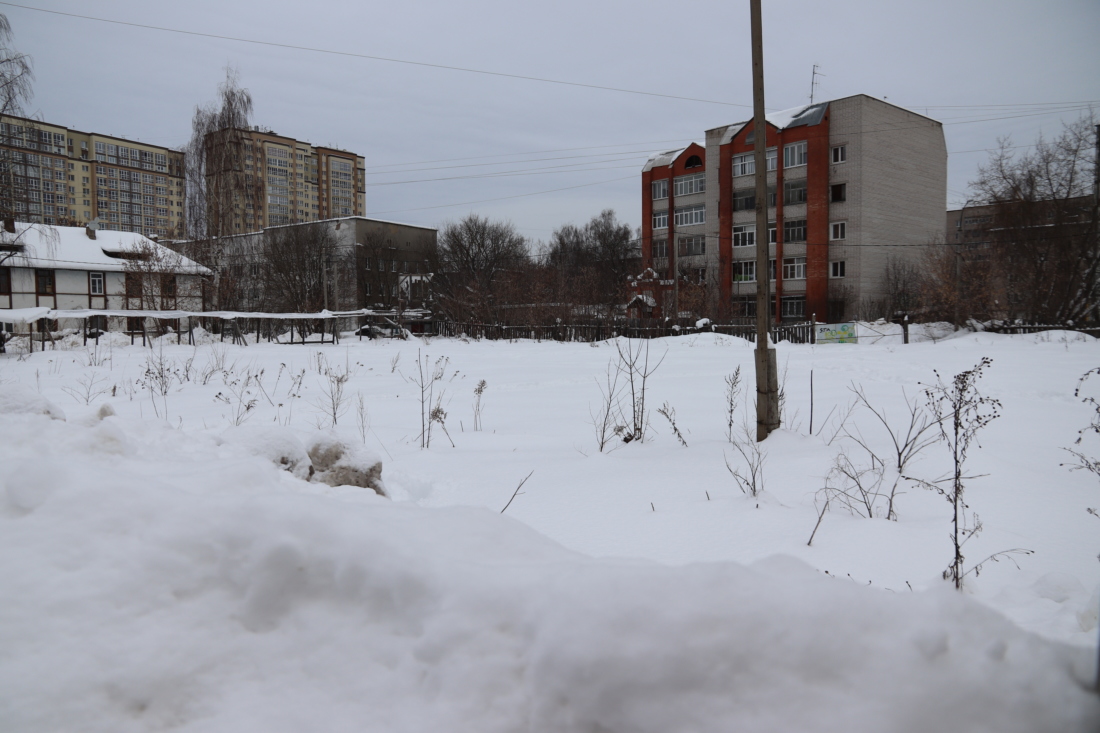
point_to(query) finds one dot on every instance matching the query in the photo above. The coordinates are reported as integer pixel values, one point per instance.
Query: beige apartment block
(61, 176)
(269, 180)
(853, 183)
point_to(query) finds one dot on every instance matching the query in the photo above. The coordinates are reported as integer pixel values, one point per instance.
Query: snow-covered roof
(70, 248)
(661, 160)
(806, 114)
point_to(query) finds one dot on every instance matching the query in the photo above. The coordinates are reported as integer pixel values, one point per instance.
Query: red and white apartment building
(852, 183)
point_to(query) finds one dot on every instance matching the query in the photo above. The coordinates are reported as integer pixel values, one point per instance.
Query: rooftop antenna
(814, 82)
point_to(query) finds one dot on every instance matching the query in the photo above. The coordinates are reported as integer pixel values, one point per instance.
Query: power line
(529, 152)
(502, 174)
(511, 162)
(502, 198)
(349, 54)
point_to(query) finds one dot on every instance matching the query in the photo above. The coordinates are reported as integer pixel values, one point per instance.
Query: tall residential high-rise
(257, 178)
(53, 174)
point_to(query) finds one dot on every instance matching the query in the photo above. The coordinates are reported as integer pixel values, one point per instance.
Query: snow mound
(339, 463)
(16, 400)
(277, 444)
(146, 603)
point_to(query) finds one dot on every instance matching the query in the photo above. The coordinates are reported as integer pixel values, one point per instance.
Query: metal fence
(1017, 327)
(798, 333)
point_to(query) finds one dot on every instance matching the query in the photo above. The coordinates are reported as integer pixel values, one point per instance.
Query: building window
(792, 307)
(95, 283)
(744, 272)
(660, 248)
(840, 153)
(794, 268)
(693, 161)
(692, 246)
(794, 230)
(687, 185)
(5, 281)
(660, 220)
(794, 192)
(794, 155)
(744, 236)
(691, 215)
(838, 192)
(660, 189)
(744, 200)
(168, 286)
(744, 165)
(838, 230)
(44, 282)
(836, 269)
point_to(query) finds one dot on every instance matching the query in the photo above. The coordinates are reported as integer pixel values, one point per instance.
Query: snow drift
(159, 579)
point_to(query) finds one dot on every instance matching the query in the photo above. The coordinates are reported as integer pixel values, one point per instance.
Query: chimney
(89, 231)
(9, 224)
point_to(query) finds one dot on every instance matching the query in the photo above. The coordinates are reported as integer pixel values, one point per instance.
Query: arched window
(694, 162)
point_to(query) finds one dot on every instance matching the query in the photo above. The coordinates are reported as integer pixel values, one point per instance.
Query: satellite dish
(93, 225)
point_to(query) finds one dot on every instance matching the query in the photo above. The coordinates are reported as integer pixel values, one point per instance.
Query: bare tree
(16, 169)
(220, 191)
(295, 264)
(153, 280)
(1042, 237)
(474, 255)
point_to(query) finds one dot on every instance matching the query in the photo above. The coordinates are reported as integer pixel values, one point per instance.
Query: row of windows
(682, 186)
(793, 231)
(686, 247)
(794, 268)
(794, 155)
(45, 282)
(683, 216)
(794, 192)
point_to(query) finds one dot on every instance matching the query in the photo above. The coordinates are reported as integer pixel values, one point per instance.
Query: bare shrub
(733, 396)
(362, 416)
(478, 392)
(604, 419)
(241, 395)
(750, 477)
(669, 413)
(426, 377)
(89, 387)
(961, 412)
(333, 402)
(634, 363)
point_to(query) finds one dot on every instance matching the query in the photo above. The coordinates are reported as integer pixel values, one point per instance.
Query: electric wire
(349, 54)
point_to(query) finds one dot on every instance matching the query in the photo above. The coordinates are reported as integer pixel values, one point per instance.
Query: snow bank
(156, 590)
(16, 400)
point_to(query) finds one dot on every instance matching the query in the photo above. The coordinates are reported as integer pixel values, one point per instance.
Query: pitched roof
(70, 248)
(806, 114)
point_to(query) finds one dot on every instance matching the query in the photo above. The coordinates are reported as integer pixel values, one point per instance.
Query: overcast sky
(982, 67)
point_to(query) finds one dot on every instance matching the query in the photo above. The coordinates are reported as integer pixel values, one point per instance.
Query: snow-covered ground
(166, 565)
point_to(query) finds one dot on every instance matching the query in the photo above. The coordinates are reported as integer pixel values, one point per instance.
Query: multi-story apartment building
(674, 210)
(57, 175)
(257, 178)
(851, 183)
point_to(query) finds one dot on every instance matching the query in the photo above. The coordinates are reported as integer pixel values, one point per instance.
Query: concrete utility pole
(767, 381)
